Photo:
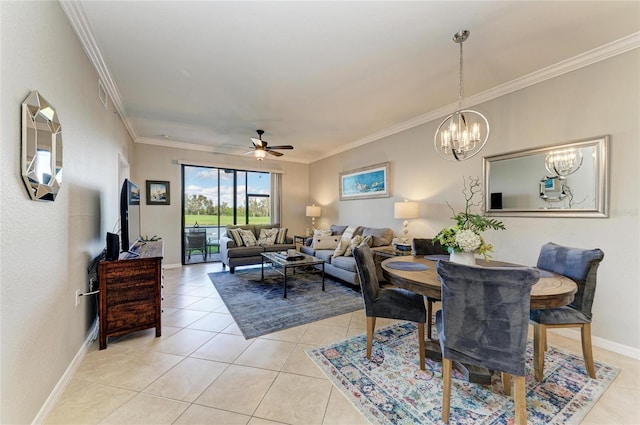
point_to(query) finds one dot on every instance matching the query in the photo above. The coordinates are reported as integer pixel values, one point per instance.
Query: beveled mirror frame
(600, 183)
(41, 164)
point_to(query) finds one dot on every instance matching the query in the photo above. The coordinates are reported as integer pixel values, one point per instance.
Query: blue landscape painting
(366, 182)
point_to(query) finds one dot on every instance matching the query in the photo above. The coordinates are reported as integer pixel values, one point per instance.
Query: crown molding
(195, 147)
(590, 57)
(174, 144)
(80, 23)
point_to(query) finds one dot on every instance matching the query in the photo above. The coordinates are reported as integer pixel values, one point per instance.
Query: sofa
(343, 266)
(236, 252)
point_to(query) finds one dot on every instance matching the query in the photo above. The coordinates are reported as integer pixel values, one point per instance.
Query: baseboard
(48, 405)
(606, 344)
(172, 266)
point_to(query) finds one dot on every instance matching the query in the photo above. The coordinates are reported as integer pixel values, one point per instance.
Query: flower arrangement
(464, 236)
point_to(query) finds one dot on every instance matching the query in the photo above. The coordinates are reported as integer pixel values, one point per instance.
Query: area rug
(259, 307)
(391, 388)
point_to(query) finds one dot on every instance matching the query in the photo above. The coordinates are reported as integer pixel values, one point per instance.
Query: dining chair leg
(520, 400)
(429, 317)
(539, 344)
(506, 383)
(446, 389)
(421, 344)
(371, 325)
(587, 351)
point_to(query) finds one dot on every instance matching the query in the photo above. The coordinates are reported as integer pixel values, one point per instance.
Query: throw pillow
(381, 237)
(338, 230)
(281, 238)
(235, 235)
(344, 241)
(322, 232)
(248, 237)
(267, 236)
(325, 242)
(355, 241)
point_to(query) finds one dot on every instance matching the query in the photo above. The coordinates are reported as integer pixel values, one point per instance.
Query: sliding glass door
(215, 197)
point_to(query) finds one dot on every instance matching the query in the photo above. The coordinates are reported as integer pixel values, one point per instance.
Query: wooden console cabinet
(131, 292)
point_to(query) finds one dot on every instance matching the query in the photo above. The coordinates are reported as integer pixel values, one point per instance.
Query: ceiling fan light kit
(261, 147)
(464, 133)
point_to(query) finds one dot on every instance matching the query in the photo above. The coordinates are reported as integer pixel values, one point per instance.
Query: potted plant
(464, 239)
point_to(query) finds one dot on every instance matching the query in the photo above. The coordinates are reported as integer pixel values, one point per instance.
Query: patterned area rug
(391, 388)
(259, 307)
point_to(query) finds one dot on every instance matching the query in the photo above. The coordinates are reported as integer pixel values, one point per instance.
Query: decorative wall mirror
(41, 148)
(567, 180)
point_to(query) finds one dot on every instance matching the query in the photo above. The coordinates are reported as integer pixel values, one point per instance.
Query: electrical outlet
(77, 297)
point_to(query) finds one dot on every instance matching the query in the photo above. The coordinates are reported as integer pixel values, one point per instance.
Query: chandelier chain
(460, 81)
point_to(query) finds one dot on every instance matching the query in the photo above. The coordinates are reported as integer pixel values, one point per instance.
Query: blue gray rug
(259, 308)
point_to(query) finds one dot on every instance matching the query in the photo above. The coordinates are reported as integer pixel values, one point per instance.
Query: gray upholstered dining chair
(422, 246)
(484, 322)
(388, 302)
(580, 265)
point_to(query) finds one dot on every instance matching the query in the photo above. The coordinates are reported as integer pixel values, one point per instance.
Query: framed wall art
(158, 192)
(365, 183)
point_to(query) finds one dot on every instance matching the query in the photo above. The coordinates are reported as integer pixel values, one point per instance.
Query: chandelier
(465, 132)
(563, 162)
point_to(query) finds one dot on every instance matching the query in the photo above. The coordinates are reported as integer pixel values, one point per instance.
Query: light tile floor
(203, 371)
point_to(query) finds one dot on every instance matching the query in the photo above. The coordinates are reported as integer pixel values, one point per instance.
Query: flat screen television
(129, 215)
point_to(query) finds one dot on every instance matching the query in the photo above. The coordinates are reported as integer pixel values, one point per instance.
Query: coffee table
(281, 265)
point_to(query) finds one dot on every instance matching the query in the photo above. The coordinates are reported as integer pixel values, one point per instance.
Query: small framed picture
(158, 192)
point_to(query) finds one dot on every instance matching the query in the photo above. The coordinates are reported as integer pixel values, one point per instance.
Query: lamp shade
(405, 209)
(313, 211)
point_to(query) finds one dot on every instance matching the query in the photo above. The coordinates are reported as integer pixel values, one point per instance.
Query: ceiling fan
(261, 148)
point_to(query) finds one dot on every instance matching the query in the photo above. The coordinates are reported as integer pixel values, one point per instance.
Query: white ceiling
(327, 76)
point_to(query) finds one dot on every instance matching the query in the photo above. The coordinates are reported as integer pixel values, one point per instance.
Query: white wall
(46, 246)
(160, 163)
(603, 98)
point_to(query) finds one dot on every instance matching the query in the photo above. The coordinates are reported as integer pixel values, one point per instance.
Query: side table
(300, 239)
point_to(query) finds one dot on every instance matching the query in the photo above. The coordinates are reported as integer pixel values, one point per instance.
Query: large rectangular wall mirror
(566, 180)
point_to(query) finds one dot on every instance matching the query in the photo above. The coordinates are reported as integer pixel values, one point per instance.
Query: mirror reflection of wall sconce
(41, 164)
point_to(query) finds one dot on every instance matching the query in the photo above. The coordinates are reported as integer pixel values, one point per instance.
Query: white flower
(468, 240)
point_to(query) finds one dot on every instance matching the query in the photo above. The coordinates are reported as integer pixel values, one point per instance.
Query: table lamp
(313, 212)
(405, 210)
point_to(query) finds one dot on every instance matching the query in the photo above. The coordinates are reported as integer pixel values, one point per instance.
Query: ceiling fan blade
(281, 147)
(274, 153)
(257, 142)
